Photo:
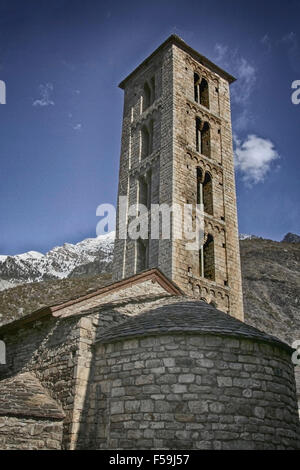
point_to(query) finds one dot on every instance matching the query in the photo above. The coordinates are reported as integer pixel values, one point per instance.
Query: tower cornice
(176, 40)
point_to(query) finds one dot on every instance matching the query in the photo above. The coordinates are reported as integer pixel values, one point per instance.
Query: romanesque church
(160, 358)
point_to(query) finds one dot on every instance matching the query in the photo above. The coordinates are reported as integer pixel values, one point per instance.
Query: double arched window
(207, 259)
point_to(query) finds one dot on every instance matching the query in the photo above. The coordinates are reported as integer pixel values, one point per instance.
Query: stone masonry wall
(158, 163)
(172, 164)
(191, 392)
(48, 349)
(58, 351)
(29, 434)
(226, 290)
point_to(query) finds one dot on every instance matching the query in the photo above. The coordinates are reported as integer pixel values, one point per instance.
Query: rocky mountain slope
(291, 238)
(271, 286)
(89, 257)
(26, 298)
(270, 270)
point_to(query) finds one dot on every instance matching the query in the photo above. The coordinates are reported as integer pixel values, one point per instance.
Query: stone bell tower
(177, 149)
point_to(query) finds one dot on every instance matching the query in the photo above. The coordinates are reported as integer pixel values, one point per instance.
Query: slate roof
(23, 395)
(186, 316)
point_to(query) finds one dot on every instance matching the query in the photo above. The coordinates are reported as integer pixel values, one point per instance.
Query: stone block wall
(173, 165)
(21, 433)
(158, 163)
(59, 351)
(47, 348)
(191, 392)
(226, 289)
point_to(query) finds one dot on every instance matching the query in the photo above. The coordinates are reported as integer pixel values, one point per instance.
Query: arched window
(145, 142)
(145, 190)
(208, 194)
(207, 259)
(146, 97)
(204, 191)
(152, 82)
(2, 352)
(147, 139)
(199, 186)
(205, 140)
(202, 137)
(141, 255)
(148, 93)
(201, 92)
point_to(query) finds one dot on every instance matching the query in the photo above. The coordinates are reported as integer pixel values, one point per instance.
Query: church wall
(191, 392)
(20, 433)
(59, 350)
(48, 349)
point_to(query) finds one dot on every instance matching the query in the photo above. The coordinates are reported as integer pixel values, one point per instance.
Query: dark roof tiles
(186, 316)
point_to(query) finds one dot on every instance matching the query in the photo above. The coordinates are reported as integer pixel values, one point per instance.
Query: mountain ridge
(61, 262)
(270, 277)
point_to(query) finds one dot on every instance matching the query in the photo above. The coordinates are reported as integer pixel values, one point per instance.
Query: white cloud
(77, 127)
(45, 95)
(254, 158)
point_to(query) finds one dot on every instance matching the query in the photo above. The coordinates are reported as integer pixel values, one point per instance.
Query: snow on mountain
(244, 236)
(86, 257)
(30, 255)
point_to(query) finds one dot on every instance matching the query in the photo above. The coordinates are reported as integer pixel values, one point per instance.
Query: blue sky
(61, 125)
